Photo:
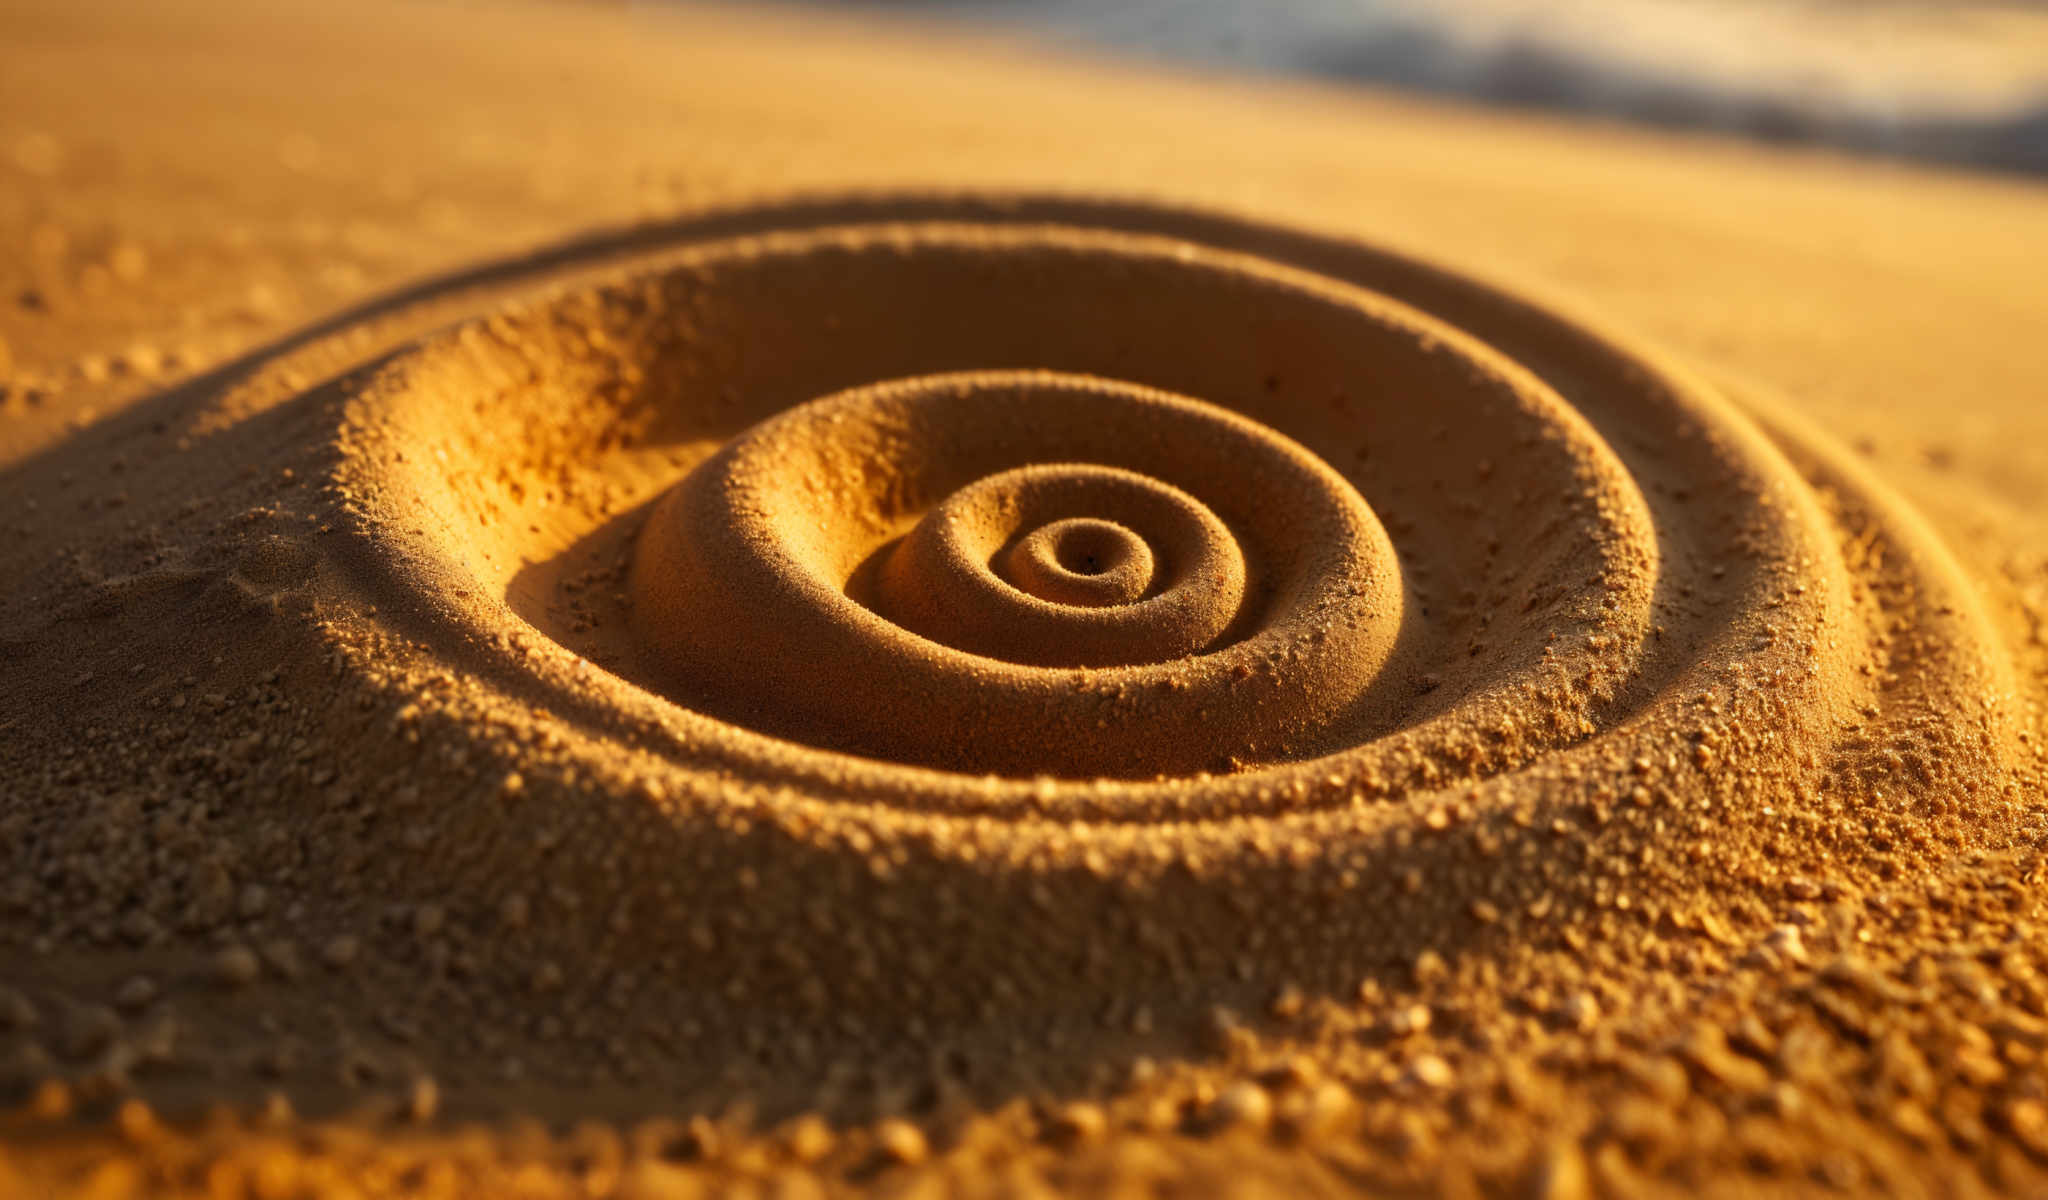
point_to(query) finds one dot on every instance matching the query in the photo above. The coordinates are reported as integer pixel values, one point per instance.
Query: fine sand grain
(878, 668)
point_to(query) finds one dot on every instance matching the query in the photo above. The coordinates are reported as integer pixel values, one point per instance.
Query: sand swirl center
(1067, 565)
(1080, 561)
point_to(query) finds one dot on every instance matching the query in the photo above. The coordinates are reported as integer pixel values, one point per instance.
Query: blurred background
(1958, 81)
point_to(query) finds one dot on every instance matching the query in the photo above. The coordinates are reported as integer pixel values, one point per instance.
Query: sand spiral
(829, 632)
(847, 574)
(1180, 560)
(1046, 532)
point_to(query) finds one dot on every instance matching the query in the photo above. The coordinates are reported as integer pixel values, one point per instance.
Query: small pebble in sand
(1079, 1121)
(1409, 1020)
(341, 950)
(236, 966)
(901, 1142)
(1431, 1071)
(1242, 1105)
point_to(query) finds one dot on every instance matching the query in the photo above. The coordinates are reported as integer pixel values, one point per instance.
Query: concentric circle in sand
(880, 638)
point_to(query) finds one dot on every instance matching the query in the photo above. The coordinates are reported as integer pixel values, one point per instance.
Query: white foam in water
(1950, 80)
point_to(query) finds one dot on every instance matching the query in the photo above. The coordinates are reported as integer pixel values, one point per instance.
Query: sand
(603, 602)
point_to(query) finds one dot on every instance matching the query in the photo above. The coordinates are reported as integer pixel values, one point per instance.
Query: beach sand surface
(640, 600)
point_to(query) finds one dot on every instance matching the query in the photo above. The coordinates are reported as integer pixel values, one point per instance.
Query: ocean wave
(1963, 83)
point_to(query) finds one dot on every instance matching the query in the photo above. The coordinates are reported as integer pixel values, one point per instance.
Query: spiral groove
(953, 638)
(1092, 563)
(1139, 581)
(969, 573)
(775, 551)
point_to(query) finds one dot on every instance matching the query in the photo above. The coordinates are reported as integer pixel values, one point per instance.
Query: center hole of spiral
(1081, 561)
(1090, 550)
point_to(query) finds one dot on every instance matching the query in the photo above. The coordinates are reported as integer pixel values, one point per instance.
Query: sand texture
(668, 603)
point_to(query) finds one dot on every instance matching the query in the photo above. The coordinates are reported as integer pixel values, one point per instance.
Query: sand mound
(865, 653)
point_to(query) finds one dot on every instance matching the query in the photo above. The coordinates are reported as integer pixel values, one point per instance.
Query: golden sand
(879, 668)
